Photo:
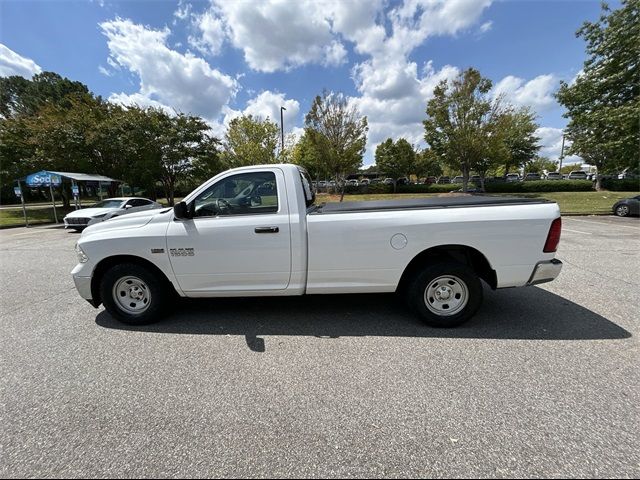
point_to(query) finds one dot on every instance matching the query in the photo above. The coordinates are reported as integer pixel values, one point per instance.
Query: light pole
(561, 154)
(282, 128)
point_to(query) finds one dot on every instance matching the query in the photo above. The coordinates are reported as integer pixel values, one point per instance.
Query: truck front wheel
(445, 295)
(133, 294)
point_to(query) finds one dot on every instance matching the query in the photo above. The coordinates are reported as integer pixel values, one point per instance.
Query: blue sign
(17, 191)
(75, 190)
(43, 179)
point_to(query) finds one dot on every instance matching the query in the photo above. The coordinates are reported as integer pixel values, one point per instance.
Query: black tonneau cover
(420, 203)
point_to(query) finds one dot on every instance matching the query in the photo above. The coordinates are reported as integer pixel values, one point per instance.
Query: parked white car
(106, 209)
(226, 240)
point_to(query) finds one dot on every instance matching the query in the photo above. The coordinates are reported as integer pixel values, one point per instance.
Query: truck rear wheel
(445, 295)
(133, 294)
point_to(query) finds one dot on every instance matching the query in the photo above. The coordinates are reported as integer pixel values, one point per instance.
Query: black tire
(469, 283)
(622, 210)
(156, 288)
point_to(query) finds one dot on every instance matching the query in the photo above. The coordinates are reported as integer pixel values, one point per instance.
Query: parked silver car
(578, 175)
(512, 177)
(106, 209)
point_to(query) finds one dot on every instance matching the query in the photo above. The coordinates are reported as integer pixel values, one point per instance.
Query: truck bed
(423, 203)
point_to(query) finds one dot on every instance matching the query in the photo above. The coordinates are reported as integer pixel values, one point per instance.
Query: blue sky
(222, 58)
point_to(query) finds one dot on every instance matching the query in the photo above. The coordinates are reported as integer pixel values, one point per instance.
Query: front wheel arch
(105, 264)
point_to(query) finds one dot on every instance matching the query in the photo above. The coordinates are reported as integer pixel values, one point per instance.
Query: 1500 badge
(181, 252)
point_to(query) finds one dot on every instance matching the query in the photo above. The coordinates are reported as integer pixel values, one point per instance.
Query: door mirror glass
(181, 211)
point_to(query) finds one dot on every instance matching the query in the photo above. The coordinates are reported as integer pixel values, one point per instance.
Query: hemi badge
(157, 250)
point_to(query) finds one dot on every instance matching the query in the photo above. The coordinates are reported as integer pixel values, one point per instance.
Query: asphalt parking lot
(545, 381)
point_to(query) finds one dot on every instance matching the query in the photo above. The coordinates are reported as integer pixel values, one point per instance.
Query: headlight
(99, 216)
(82, 257)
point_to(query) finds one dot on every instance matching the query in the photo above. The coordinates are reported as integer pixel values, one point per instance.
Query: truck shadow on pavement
(516, 314)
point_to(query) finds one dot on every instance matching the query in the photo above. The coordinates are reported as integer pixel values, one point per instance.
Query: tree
(395, 159)
(603, 103)
(428, 164)
(19, 96)
(510, 140)
(518, 128)
(180, 142)
(540, 165)
(250, 141)
(304, 154)
(459, 117)
(338, 134)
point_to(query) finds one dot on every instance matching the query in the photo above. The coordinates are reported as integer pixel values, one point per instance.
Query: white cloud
(178, 81)
(396, 107)
(12, 63)
(211, 30)
(267, 105)
(105, 71)
(551, 145)
(486, 27)
(183, 11)
(277, 34)
(393, 93)
(139, 100)
(536, 93)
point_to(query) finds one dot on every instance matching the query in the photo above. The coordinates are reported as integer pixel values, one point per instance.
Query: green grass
(14, 217)
(571, 203)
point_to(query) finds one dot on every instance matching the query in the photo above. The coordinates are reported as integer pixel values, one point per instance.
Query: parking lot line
(594, 221)
(576, 231)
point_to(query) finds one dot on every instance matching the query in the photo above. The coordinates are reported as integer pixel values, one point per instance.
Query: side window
(242, 194)
(138, 202)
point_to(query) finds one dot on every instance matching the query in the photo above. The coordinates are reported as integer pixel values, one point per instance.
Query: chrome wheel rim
(132, 295)
(623, 210)
(446, 295)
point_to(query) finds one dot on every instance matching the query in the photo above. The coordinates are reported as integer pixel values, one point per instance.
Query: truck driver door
(238, 239)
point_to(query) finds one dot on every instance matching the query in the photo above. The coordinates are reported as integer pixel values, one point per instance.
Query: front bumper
(83, 283)
(546, 271)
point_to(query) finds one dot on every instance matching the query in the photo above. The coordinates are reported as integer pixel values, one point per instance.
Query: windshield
(108, 204)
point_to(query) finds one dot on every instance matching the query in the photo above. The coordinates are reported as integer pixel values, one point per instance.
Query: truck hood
(130, 220)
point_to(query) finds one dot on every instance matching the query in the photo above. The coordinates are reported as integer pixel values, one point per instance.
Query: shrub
(433, 188)
(626, 185)
(540, 186)
(377, 188)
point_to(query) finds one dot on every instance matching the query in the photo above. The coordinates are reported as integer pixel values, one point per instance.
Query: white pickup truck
(256, 231)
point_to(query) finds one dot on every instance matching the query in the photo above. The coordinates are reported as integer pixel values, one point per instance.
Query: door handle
(267, 230)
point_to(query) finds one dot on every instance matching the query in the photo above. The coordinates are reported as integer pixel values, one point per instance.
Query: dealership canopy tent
(51, 179)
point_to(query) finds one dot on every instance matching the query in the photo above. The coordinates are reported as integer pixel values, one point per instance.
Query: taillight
(551, 245)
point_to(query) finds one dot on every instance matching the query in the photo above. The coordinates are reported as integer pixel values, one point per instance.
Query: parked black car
(628, 206)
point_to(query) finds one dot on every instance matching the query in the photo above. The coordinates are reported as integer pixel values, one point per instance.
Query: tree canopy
(396, 159)
(338, 134)
(469, 130)
(603, 102)
(250, 141)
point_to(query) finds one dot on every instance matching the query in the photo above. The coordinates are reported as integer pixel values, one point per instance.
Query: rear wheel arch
(107, 263)
(449, 253)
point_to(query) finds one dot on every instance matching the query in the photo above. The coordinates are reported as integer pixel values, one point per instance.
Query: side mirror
(127, 207)
(181, 211)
